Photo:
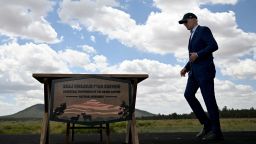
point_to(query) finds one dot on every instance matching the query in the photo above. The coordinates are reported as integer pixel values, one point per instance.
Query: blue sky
(125, 36)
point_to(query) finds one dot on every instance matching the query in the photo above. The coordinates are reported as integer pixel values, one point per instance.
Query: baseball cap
(186, 17)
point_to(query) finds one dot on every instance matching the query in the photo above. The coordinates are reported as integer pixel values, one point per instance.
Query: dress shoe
(211, 136)
(203, 133)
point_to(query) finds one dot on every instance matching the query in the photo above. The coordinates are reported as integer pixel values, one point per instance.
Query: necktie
(191, 35)
(191, 32)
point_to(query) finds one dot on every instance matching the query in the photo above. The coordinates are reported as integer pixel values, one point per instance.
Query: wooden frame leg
(131, 132)
(73, 132)
(67, 133)
(108, 134)
(128, 127)
(101, 134)
(135, 137)
(44, 138)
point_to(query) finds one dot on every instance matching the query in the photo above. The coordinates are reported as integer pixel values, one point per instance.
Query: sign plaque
(90, 100)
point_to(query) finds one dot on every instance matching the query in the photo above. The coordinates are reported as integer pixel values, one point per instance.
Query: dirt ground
(145, 138)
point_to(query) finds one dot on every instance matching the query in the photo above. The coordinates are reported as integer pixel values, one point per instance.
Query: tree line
(224, 113)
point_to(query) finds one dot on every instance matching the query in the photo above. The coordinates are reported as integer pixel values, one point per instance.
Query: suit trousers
(211, 120)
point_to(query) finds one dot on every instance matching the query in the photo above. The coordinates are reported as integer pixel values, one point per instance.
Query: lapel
(189, 43)
(193, 38)
(195, 33)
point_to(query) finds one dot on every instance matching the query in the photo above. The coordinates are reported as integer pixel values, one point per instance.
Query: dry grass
(144, 126)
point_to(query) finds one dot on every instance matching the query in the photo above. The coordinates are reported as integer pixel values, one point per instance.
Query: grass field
(144, 126)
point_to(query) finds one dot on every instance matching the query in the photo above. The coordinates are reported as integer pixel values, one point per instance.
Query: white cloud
(93, 38)
(20, 101)
(100, 61)
(233, 42)
(74, 58)
(161, 33)
(234, 95)
(19, 62)
(163, 91)
(8, 108)
(85, 59)
(26, 19)
(240, 69)
(254, 53)
(233, 2)
(76, 26)
(96, 16)
(88, 49)
(28, 98)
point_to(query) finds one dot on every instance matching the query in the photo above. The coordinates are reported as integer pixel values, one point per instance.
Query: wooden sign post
(90, 99)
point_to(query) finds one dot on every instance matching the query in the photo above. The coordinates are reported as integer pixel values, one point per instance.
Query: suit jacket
(204, 44)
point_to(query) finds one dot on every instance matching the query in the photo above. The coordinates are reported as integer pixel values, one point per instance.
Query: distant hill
(36, 112)
(142, 113)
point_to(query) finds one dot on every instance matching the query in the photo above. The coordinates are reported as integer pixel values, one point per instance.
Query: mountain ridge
(36, 112)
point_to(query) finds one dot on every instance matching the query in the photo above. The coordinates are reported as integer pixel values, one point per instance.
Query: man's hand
(183, 72)
(193, 56)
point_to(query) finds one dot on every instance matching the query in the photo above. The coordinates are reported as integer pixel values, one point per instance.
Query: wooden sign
(90, 100)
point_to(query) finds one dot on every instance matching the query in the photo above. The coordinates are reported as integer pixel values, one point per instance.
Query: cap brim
(182, 21)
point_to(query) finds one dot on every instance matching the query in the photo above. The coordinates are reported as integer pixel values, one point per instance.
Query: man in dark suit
(201, 73)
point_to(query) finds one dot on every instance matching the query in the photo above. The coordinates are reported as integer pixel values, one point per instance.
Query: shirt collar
(194, 29)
